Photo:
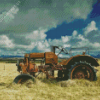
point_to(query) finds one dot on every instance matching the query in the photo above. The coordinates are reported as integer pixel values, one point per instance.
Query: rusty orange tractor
(76, 67)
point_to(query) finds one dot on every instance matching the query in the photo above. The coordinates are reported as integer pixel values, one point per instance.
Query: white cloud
(56, 42)
(8, 16)
(66, 45)
(90, 27)
(81, 37)
(37, 35)
(12, 12)
(6, 42)
(40, 45)
(97, 44)
(92, 33)
(43, 46)
(74, 33)
(38, 39)
(64, 39)
(64, 56)
(46, 43)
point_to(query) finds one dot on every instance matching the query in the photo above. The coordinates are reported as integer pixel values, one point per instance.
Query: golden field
(45, 89)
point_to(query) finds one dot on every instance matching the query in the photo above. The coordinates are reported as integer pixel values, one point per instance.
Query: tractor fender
(23, 76)
(78, 58)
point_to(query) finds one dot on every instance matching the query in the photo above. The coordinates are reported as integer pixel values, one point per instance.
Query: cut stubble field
(44, 89)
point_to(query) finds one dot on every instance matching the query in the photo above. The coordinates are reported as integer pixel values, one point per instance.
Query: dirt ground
(43, 89)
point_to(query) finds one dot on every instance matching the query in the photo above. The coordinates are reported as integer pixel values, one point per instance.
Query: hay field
(45, 89)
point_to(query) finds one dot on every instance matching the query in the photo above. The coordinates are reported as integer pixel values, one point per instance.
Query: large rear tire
(82, 70)
(20, 79)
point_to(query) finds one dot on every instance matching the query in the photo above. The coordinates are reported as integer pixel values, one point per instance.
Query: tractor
(76, 67)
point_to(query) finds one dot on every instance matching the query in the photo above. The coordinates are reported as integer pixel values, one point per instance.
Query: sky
(34, 25)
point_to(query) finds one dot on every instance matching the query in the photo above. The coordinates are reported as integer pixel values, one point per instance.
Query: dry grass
(46, 89)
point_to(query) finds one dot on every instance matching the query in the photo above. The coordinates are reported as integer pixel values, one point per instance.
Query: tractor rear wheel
(20, 79)
(82, 70)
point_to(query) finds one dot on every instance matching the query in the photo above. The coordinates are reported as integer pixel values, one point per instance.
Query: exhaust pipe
(53, 48)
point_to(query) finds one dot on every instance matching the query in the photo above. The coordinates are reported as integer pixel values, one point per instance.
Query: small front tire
(20, 79)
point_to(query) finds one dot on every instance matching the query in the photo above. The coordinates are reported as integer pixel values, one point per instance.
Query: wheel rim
(82, 72)
(79, 75)
(22, 80)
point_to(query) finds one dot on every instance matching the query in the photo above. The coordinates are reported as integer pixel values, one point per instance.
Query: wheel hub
(79, 75)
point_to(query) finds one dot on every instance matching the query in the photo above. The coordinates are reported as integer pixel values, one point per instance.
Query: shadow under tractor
(76, 67)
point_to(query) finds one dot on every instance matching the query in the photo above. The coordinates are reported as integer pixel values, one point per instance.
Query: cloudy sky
(34, 25)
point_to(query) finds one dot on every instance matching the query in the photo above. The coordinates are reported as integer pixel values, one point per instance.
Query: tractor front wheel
(20, 79)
